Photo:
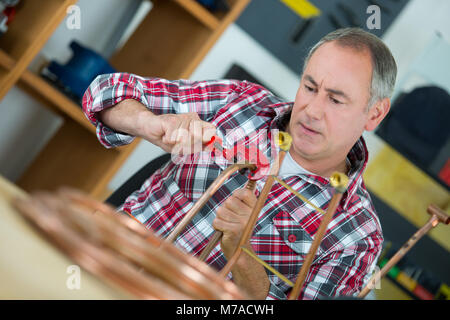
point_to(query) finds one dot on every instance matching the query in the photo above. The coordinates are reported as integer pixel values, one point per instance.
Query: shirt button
(292, 238)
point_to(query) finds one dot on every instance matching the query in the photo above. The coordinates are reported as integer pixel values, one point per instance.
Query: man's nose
(314, 108)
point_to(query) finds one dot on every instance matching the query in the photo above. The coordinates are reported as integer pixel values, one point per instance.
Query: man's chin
(306, 151)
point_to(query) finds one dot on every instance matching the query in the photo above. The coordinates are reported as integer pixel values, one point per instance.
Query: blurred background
(51, 50)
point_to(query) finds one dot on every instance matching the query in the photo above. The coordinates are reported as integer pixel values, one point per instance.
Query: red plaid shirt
(247, 112)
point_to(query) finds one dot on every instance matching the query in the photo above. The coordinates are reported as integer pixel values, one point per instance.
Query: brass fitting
(284, 140)
(339, 181)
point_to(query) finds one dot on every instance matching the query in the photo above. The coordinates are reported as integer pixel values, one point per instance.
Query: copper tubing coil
(120, 250)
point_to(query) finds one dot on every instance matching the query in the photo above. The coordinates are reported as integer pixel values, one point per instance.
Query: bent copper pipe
(284, 142)
(339, 182)
(206, 196)
(217, 236)
(437, 215)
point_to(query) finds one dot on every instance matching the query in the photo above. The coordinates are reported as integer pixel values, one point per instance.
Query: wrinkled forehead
(341, 67)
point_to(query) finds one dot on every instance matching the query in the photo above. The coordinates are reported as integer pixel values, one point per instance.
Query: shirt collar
(357, 158)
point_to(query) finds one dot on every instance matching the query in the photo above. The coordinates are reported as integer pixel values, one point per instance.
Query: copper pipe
(179, 273)
(339, 182)
(437, 215)
(205, 198)
(107, 246)
(136, 227)
(45, 212)
(255, 212)
(217, 236)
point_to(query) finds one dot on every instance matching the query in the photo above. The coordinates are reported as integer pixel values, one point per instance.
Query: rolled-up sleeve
(159, 95)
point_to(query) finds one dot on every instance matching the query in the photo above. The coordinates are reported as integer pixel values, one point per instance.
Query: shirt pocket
(294, 241)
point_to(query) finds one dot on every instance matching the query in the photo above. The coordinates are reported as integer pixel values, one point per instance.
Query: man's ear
(377, 113)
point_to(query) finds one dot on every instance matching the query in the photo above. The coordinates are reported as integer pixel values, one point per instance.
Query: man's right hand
(182, 133)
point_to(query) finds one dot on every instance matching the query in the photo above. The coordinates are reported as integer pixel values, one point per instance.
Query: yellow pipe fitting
(339, 181)
(284, 140)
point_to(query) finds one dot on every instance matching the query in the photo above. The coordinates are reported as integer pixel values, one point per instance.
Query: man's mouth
(308, 130)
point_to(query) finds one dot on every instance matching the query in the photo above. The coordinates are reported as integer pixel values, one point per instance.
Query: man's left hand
(232, 218)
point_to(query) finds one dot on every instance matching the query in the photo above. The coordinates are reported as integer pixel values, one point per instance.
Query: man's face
(330, 108)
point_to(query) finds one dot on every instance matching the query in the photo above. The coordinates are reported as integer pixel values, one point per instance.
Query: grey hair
(384, 68)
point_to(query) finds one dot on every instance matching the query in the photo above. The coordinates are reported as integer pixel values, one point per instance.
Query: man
(345, 87)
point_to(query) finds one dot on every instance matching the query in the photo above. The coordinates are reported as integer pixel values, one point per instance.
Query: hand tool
(253, 159)
(334, 21)
(339, 182)
(243, 153)
(437, 215)
(303, 8)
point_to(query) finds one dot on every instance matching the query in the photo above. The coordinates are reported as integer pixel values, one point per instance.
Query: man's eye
(335, 101)
(309, 88)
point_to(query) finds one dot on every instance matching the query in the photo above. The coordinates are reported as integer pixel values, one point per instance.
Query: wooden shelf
(32, 26)
(173, 39)
(200, 12)
(73, 156)
(47, 93)
(61, 103)
(6, 62)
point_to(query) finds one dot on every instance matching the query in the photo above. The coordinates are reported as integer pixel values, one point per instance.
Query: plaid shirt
(285, 229)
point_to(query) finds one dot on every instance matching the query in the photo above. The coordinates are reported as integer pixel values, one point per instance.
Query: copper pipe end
(439, 213)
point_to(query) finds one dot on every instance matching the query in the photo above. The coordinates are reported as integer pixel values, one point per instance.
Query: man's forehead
(343, 67)
(336, 90)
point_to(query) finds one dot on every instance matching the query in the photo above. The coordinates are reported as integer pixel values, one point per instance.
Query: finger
(226, 227)
(209, 131)
(225, 214)
(167, 140)
(182, 132)
(179, 147)
(196, 131)
(237, 206)
(169, 125)
(181, 136)
(246, 195)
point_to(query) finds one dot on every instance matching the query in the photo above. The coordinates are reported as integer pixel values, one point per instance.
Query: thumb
(209, 131)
